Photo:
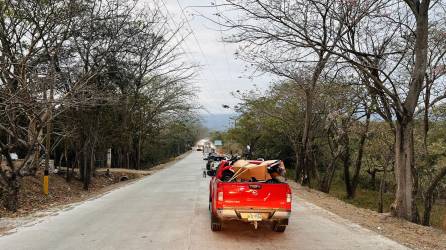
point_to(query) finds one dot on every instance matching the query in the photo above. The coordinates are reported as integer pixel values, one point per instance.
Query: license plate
(254, 217)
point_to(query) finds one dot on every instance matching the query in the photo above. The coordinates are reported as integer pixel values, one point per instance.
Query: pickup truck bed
(250, 202)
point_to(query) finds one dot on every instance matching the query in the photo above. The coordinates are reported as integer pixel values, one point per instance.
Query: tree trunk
(120, 162)
(325, 184)
(328, 177)
(358, 163)
(72, 168)
(404, 205)
(11, 193)
(429, 196)
(296, 150)
(83, 166)
(381, 190)
(67, 164)
(346, 163)
(372, 174)
(127, 159)
(87, 167)
(138, 153)
(81, 160)
(303, 167)
(91, 167)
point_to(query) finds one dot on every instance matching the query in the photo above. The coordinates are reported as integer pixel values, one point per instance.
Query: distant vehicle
(247, 191)
(207, 148)
(213, 161)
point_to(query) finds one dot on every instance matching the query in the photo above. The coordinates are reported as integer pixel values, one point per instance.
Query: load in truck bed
(247, 170)
(272, 171)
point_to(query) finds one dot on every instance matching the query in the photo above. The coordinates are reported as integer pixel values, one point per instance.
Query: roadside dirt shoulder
(406, 233)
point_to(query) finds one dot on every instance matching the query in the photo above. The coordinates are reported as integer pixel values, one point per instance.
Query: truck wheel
(215, 224)
(279, 227)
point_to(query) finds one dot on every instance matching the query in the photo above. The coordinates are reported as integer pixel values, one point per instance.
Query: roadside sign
(218, 143)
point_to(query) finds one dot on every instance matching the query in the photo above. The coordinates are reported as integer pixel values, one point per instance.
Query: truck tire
(279, 227)
(215, 224)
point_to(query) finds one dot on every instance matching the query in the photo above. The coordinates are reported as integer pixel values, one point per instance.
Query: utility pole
(49, 127)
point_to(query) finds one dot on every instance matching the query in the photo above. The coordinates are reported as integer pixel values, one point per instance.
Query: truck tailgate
(255, 195)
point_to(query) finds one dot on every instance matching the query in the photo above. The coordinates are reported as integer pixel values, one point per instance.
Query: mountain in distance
(217, 122)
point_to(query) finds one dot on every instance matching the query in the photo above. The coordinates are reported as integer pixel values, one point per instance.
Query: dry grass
(61, 192)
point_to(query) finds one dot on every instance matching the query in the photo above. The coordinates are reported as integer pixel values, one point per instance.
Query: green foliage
(365, 198)
(271, 123)
(369, 199)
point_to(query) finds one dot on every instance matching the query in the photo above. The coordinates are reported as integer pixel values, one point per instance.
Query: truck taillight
(288, 198)
(220, 196)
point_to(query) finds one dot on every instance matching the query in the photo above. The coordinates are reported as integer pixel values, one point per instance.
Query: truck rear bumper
(241, 214)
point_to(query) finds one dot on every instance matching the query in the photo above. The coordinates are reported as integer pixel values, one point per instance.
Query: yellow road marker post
(45, 182)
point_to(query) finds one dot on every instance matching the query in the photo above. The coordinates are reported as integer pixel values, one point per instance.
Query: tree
(67, 66)
(31, 37)
(390, 49)
(267, 121)
(386, 43)
(347, 121)
(291, 40)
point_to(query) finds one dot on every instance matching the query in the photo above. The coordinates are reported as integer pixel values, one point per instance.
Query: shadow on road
(246, 231)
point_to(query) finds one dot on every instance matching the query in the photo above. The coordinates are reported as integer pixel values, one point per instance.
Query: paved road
(169, 210)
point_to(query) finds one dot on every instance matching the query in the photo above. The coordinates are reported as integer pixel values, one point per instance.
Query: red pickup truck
(248, 200)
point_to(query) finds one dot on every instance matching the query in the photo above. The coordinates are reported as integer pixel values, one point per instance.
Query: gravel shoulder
(406, 233)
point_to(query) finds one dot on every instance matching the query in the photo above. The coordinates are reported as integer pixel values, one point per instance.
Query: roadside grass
(367, 198)
(437, 216)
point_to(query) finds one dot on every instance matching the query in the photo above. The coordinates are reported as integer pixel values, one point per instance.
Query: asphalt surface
(169, 210)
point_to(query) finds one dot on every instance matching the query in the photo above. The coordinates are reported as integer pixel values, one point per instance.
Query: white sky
(220, 72)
